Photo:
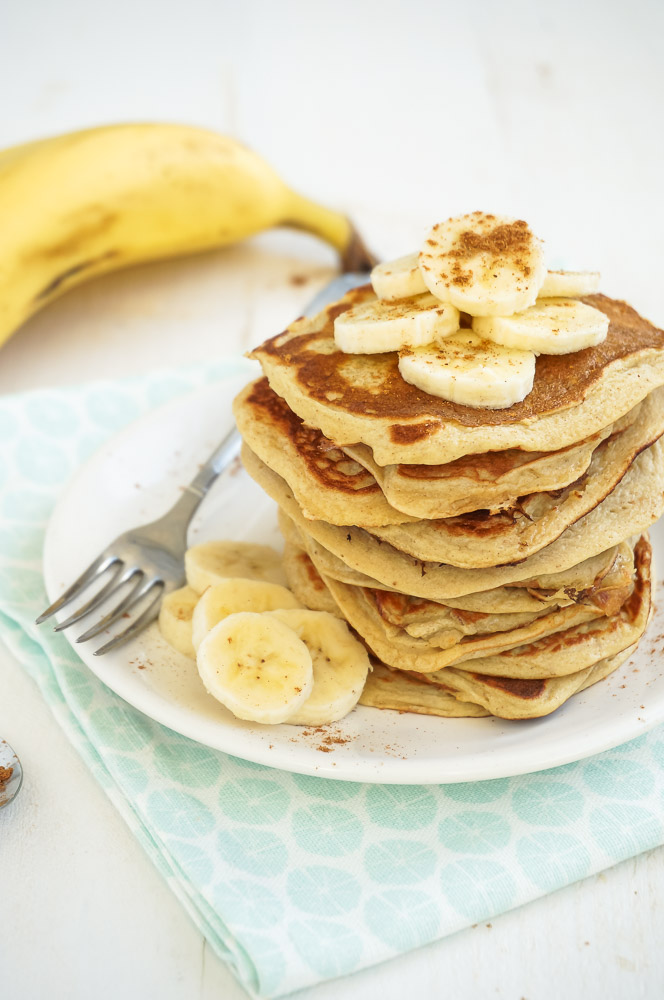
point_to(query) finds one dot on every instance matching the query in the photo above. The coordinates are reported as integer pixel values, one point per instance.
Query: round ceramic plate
(137, 475)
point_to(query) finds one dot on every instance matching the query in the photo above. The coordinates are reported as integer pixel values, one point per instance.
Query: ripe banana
(89, 202)
(491, 267)
(340, 666)
(233, 595)
(402, 279)
(211, 563)
(569, 284)
(175, 619)
(551, 326)
(485, 265)
(256, 666)
(468, 370)
(374, 327)
(398, 279)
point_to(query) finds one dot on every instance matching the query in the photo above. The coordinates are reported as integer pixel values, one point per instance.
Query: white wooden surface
(401, 114)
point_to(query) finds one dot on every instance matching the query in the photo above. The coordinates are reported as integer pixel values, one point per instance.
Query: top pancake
(363, 398)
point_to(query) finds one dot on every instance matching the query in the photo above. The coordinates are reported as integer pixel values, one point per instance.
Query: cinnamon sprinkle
(511, 240)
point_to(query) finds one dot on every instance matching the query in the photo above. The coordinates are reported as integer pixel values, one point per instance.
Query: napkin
(294, 879)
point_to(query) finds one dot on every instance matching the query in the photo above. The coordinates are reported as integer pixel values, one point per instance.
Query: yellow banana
(89, 202)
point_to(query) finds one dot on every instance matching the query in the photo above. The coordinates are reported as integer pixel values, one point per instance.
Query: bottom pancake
(394, 689)
(387, 688)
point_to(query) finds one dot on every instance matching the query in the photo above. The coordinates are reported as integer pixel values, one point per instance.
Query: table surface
(401, 115)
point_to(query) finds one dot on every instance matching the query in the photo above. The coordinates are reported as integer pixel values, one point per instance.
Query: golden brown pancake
(494, 561)
(330, 485)
(363, 398)
(483, 539)
(425, 637)
(635, 503)
(599, 582)
(490, 481)
(502, 697)
(324, 479)
(395, 689)
(306, 582)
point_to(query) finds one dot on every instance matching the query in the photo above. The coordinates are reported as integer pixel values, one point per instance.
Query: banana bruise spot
(71, 272)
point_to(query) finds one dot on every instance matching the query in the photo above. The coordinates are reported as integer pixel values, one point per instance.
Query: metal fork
(150, 559)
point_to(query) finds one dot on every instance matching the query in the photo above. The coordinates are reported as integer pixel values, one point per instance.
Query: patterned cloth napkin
(294, 879)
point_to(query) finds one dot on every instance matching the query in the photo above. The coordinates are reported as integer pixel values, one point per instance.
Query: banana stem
(334, 228)
(357, 256)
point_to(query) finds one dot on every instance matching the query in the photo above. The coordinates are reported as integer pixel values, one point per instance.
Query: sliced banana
(551, 326)
(340, 665)
(212, 562)
(257, 667)
(485, 265)
(570, 284)
(233, 595)
(175, 619)
(398, 279)
(375, 327)
(469, 370)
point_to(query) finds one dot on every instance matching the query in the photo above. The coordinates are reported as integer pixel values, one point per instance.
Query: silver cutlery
(147, 562)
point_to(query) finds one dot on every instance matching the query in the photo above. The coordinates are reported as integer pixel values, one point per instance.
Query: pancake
(444, 637)
(635, 503)
(362, 398)
(326, 482)
(385, 688)
(531, 699)
(441, 625)
(394, 646)
(568, 662)
(482, 539)
(475, 482)
(582, 583)
(598, 582)
(306, 582)
(430, 620)
(513, 688)
(329, 485)
(507, 699)
(570, 649)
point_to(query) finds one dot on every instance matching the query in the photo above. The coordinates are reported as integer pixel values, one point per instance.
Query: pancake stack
(493, 561)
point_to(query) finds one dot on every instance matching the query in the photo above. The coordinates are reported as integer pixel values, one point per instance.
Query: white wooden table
(401, 114)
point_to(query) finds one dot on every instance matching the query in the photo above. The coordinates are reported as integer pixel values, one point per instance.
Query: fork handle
(216, 463)
(192, 494)
(229, 448)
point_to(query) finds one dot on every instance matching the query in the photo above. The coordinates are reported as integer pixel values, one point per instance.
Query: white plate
(136, 476)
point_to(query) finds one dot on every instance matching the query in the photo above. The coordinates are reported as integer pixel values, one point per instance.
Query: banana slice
(233, 595)
(340, 666)
(375, 327)
(468, 370)
(257, 667)
(175, 619)
(551, 326)
(213, 562)
(569, 284)
(485, 265)
(398, 279)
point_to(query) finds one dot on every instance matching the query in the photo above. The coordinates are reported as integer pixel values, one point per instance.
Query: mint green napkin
(294, 879)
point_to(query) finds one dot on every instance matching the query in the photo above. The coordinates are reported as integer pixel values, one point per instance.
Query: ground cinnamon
(510, 240)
